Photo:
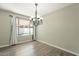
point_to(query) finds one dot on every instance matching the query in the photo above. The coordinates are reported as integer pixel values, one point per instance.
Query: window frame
(18, 19)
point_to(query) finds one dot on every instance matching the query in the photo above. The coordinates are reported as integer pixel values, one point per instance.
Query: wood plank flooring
(32, 48)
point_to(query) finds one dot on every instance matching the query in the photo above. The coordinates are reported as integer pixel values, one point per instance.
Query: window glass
(24, 27)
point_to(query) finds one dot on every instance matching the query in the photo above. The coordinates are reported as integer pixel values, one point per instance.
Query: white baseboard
(59, 47)
(4, 46)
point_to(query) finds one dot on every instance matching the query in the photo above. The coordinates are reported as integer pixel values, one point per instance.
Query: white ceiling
(29, 8)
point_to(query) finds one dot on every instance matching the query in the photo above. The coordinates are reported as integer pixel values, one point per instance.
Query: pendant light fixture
(36, 21)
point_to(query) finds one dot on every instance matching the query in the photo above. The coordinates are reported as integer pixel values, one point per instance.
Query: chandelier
(36, 20)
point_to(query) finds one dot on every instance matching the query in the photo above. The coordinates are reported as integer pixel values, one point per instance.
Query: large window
(24, 27)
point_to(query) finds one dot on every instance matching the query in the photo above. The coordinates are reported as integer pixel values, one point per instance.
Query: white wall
(5, 28)
(61, 28)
